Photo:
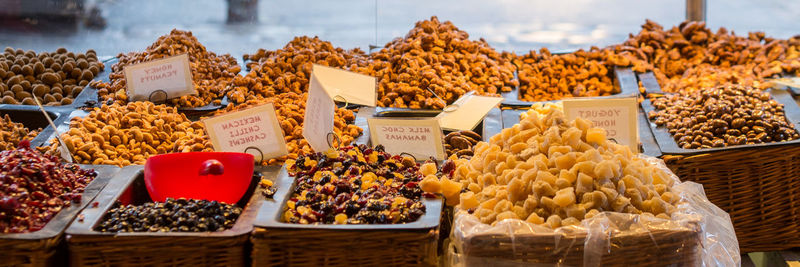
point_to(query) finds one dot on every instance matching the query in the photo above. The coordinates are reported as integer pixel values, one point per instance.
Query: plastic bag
(698, 234)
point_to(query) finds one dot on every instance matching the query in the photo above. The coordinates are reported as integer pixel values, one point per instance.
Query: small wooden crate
(88, 247)
(276, 243)
(44, 247)
(758, 185)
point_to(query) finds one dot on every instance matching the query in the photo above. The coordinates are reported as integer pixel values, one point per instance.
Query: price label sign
(159, 79)
(420, 138)
(254, 130)
(318, 120)
(469, 111)
(346, 86)
(616, 115)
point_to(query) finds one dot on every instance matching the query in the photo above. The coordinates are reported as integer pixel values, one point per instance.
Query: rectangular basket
(225, 248)
(276, 243)
(625, 80)
(661, 247)
(32, 118)
(758, 185)
(45, 247)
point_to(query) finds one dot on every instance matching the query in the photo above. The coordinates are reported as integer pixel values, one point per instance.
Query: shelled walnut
(129, 134)
(290, 109)
(437, 56)
(549, 171)
(11, 133)
(289, 69)
(211, 74)
(460, 143)
(674, 53)
(54, 78)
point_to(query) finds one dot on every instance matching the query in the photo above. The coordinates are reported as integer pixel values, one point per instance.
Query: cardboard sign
(420, 138)
(346, 86)
(469, 111)
(616, 115)
(318, 120)
(254, 130)
(159, 79)
(793, 82)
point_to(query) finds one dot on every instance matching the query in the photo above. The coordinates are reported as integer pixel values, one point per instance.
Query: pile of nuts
(723, 116)
(129, 134)
(676, 51)
(11, 133)
(172, 215)
(437, 56)
(460, 143)
(553, 172)
(35, 187)
(54, 78)
(545, 76)
(290, 109)
(289, 69)
(211, 74)
(354, 185)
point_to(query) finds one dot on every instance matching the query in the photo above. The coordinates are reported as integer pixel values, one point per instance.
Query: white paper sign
(318, 120)
(254, 130)
(616, 115)
(469, 111)
(153, 79)
(420, 138)
(346, 86)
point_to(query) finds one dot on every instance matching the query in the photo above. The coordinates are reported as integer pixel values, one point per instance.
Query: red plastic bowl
(179, 175)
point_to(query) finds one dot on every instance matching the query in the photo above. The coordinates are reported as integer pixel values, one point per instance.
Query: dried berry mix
(34, 187)
(172, 215)
(355, 185)
(723, 116)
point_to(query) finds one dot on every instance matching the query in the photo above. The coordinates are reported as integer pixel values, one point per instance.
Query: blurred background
(114, 26)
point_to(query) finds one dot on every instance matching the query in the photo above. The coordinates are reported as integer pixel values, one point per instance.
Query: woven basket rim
(126, 177)
(58, 224)
(269, 214)
(667, 145)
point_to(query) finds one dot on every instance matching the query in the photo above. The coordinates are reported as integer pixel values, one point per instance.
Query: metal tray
(132, 177)
(63, 218)
(32, 118)
(667, 144)
(625, 77)
(269, 215)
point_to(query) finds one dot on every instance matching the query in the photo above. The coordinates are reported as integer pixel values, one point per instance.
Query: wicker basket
(758, 185)
(225, 248)
(44, 247)
(276, 243)
(657, 248)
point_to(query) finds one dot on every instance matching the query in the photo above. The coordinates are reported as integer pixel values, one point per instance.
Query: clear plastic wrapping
(698, 234)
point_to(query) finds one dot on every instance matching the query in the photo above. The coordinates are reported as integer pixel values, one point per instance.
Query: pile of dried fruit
(437, 56)
(289, 69)
(172, 215)
(460, 143)
(11, 133)
(55, 78)
(129, 134)
(675, 52)
(34, 187)
(290, 109)
(211, 74)
(723, 116)
(355, 185)
(553, 172)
